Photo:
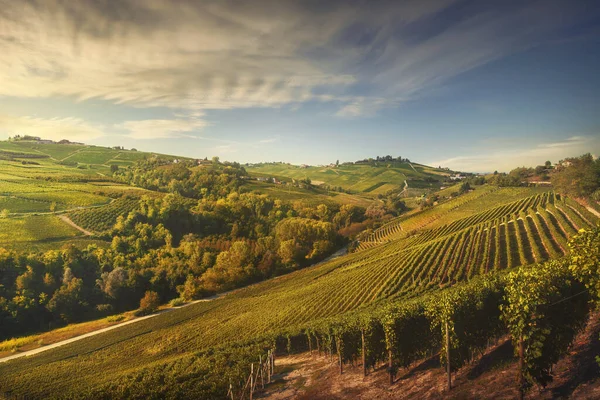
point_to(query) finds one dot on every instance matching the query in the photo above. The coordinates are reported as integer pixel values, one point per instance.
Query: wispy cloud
(55, 128)
(270, 140)
(226, 54)
(507, 158)
(162, 128)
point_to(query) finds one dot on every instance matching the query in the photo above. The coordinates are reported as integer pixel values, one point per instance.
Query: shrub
(149, 303)
(177, 302)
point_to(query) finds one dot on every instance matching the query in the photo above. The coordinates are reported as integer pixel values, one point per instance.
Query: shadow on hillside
(583, 367)
(498, 357)
(429, 363)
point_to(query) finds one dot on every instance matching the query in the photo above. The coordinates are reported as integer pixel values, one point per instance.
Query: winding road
(74, 225)
(103, 330)
(28, 353)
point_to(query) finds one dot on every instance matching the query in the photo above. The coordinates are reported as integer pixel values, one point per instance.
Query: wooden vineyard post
(309, 343)
(261, 367)
(448, 356)
(364, 356)
(251, 379)
(230, 392)
(521, 382)
(318, 345)
(391, 366)
(272, 362)
(339, 351)
(268, 366)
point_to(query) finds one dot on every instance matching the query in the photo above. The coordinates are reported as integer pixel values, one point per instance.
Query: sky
(470, 85)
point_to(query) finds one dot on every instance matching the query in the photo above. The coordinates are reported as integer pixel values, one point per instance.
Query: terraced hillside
(358, 178)
(532, 227)
(484, 198)
(38, 181)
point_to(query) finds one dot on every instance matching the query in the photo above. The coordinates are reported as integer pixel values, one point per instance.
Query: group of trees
(383, 159)
(578, 177)
(203, 236)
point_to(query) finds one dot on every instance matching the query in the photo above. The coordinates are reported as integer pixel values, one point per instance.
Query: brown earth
(491, 376)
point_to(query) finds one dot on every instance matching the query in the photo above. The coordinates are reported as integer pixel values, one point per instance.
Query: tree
(548, 164)
(149, 303)
(337, 163)
(577, 177)
(68, 302)
(585, 259)
(53, 206)
(114, 168)
(215, 160)
(464, 187)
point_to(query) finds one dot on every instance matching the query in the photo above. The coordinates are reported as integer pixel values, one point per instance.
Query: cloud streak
(162, 128)
(55, 128)
(227, 54)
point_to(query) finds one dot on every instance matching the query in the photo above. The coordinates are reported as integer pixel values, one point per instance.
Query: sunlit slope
(42, 178)
(529, 229)
(472, 203)
(359, 178)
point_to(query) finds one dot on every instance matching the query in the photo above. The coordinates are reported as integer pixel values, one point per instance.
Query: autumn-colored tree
(150, 302)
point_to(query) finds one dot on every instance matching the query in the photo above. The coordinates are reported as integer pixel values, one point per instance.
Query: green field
(358, 178)
(43, 228)
(519, 227)
(316, 195)
(49, 185)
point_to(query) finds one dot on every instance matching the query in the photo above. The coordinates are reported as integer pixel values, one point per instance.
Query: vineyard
(356, 178)
(43, 228)
(529, 228)
(103, 218)
(52, 185)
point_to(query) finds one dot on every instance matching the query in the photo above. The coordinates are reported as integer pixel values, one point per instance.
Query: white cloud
(162, 128)
(202, 55)
(226, 54)
(270, 140)
(505, 159)
(74, 129)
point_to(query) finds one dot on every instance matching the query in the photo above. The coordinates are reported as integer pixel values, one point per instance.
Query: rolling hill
(369, 179)
(489, 229)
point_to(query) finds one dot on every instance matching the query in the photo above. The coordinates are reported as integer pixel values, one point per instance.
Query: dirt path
(103, 330)
(74, 225)
(590, 209)
(405, 188)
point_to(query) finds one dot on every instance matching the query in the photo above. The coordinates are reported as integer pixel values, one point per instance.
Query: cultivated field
(500, 233)
(357, 178)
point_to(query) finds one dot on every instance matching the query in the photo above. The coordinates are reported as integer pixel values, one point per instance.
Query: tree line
(205, 235)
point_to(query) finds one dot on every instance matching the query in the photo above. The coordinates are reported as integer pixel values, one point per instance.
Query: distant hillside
(73, 154)
(373, 178)
(488, 230)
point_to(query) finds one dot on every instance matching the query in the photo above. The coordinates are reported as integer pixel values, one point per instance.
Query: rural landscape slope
(205, 349)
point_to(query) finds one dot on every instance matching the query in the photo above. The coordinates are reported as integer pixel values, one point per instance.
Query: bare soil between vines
(490, 376)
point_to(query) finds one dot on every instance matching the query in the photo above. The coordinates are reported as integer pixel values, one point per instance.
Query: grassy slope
(30, 189)
(357, 178)
(401, 268)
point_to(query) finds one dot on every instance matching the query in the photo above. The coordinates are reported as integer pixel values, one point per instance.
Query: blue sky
(471, 85)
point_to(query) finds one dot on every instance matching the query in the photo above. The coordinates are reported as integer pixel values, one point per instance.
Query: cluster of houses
(457, 177)
(270, 180)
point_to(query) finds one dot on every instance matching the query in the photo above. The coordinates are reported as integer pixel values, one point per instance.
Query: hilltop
(369, 177)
